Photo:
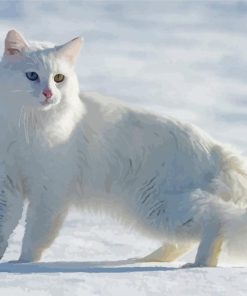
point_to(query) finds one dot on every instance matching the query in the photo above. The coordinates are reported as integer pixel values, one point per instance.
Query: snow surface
(182, 58)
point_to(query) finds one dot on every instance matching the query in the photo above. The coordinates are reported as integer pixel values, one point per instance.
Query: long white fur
(163, 177)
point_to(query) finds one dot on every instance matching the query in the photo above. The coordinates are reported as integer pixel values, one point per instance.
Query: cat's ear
(70, 50)
(14, 44)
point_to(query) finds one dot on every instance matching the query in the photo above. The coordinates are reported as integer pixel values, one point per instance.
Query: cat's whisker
(33, 119)
(29, 121)
(20, 116)
(23, 121)
(29, 125)
(26, 127)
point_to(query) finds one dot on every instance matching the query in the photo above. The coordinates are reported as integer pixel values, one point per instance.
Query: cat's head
(37, 74)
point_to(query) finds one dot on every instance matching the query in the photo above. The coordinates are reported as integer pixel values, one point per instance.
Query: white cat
(165, 178)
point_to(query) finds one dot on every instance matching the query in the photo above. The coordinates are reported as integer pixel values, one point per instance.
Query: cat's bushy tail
(231, 186)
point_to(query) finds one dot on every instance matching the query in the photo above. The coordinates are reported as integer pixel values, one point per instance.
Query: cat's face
(37, 75)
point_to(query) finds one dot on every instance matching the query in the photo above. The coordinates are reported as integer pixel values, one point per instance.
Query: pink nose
(47, 93)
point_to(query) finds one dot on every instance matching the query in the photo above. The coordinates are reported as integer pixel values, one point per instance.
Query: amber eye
(59, 78)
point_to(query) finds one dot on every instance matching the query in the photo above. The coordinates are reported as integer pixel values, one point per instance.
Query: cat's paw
(29, 257)
(193, 265)
(18, 261)
(3, 247)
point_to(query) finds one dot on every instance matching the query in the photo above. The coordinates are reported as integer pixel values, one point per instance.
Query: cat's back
(180, 150)
(142, 127)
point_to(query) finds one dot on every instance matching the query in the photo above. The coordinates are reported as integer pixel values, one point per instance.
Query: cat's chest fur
(44, 156)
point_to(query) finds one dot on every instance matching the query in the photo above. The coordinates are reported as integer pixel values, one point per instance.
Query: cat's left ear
(15, 44)
(70, 50)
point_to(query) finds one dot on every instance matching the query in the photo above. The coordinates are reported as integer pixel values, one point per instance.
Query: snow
(182, 58)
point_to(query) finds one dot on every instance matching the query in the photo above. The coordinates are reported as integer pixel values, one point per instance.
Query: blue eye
(32, 76)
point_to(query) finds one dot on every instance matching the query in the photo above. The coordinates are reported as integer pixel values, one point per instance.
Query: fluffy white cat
(165, 178)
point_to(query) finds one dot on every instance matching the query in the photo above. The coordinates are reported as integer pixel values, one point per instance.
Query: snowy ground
(182, 58)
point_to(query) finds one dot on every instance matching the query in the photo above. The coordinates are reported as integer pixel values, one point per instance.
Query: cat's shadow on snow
(119, 266)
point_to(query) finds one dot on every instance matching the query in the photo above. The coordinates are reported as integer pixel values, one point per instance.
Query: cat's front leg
(11, 207)
(43, 222)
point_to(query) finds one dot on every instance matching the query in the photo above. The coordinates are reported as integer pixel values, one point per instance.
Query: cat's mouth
(48, 103)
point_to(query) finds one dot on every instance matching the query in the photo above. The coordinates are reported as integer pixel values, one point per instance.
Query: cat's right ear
(15, 44)
(70, 50)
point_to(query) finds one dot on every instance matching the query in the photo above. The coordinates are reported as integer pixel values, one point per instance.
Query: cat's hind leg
(209, 248)
(167, 253)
